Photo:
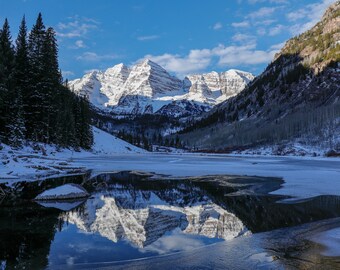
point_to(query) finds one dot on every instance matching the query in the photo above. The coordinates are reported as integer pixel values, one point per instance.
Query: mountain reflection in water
(132, 216)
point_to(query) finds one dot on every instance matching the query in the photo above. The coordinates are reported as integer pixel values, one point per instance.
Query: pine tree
(16, 126)
(7, 63)
(65, 122)
(36, 101)
(51, 65)
(83, 127)
(22, 71)
(17, 118)
(52, 82)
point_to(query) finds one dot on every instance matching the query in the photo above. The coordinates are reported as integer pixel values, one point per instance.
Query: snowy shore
(304, 176)
(41, 160)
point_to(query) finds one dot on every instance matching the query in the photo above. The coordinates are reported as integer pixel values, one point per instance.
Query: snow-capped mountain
(216, 87)
(148, 88)
(142, 217)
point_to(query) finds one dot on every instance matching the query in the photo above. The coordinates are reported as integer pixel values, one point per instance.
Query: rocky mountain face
(216, 87)
(298, 94)
(147, 88)
(143, 216)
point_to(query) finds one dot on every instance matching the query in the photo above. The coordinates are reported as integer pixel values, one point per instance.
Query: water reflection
(143, 216)
(131, 216)
(26, 233)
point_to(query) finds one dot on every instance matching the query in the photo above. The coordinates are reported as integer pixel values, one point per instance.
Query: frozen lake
(304, 177)
(134, 220)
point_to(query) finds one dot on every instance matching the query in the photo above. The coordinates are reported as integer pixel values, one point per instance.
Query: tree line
(35, 104)
(316, 126)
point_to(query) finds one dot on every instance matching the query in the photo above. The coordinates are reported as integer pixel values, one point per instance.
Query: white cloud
(67, 73)
(195, 61)
(198, 60)
(217, 26)
(277, 29)
(265, 22)
(177, 240)
(145, 38)
(262, 12)
(245, 55)
(243, 38)
(76, 27)
(94, 57)
(296, 15)
(278, 46)
(240, 24)
(311, 12)
(80, 44)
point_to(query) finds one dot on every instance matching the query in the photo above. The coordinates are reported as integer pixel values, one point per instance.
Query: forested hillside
(35, 104)
(296, 97)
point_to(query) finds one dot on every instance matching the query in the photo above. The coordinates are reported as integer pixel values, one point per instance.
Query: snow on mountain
(148, 88)
(233, 80)
(216, 87)
(150, 80)
(91, 87)
(112, 80)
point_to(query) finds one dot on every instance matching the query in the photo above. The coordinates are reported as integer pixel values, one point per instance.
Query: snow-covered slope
(148, 88)
(39, 160)
(150, 80)
(105, 143)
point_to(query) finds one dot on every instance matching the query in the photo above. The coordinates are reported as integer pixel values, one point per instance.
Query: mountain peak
(149, 63)
(117, 69)
(119, 66)
(92, 74)
(148, 85)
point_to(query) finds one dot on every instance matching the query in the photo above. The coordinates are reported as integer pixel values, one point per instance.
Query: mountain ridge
(147, 88)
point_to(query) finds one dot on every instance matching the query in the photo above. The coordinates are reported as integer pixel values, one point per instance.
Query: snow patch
(105, 143)
(68, 191)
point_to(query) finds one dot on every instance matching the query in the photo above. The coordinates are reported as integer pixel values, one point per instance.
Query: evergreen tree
(34, 102)
(51, 65)
(6, 78)
(52, 82)
(85, 122)
(37, 105)
(65, 121)
(16, 126)
(17, 118)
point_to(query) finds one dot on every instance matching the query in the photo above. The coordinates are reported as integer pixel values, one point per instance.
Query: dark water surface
(131, 216)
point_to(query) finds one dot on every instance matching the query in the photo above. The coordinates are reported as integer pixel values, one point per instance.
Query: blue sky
(183, 36)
